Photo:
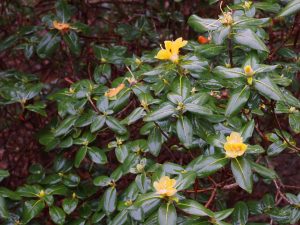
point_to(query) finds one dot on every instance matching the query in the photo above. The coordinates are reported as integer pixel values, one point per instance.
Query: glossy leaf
(241, 170)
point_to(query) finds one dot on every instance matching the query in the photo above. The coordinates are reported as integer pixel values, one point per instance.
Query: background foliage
(71, 153)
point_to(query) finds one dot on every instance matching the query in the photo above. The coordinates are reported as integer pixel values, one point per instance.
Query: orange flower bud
(203, 40)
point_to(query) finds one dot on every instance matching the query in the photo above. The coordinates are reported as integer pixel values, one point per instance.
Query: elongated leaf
(185, 180)
(161, 113)
(32, 209)
(57, 215)
(115, 125)
(184, 130)
(97, 155)
(197, 109)
(263, 171)
(120, 218)
(48, 45)
(294, 121)
(237, 100)
(110, 200)
(80, 155)
(135, 115)
(207, 165)
(291, 8)
(228, 72)
(182, 86)
(240, 214)
(194, 208)
(267, 88)
(3, 209)
(241, 170)
(155, 141)
(98, 123)
(201, 25)
(65, 126)
(167, 214)
(249, 39)
(71, 38)
(69, 204)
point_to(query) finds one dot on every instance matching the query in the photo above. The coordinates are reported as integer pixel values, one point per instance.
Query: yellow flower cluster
(171, 51)
(112, 92)
(249, 73)
(165, 186)
(61, 26)
(234, 146)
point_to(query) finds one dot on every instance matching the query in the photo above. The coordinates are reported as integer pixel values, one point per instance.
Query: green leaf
(102, 181)
(247, 130)
(161, 113)
(143, 183)
(228, 72)
(48, 45)
(97, 155)
(115, 125)
(207, 165)
(135, 115)
(102, 73)
(65, 126)
(120, 218)
(197, 109)
(155, 141)
(240, 213)
(110, 200)
(255, 149)
(249, 39)
(80, 155)
(181, 86)
(294, 121)
(184, 131)
(102, 104)
(38, 107)
(31, 209)
(167, 214)
(237, 100)
(221, 215)
(4, 214)
(69, 204)
(185, 180)
(57, 215)
(201, 25)
(267, 88)
(3, 174)
(63, 11)
(242, 173)
(292, 8)
(194, 208)
(276, 147)
(71, 38)
(98, 123)
(263, 171)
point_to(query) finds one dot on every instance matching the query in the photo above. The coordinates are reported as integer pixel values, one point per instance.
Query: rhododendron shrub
(166, 140)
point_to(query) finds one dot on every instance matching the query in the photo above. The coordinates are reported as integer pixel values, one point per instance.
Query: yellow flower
(234, 146)
(247, 5)
(42, 194)
(61, 26)
(249, 73)
(172, 50)
(165, 186)
(112, 92)
(226, 19)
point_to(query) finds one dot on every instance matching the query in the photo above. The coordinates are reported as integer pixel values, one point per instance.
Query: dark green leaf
(194, 208)
(57, 215)
(241, 170)
(110, 200)
(31, 209)
(167, 214)
(249, 39)
(69, 204)
(184, 131)
(80, 155)
(237, 100)
(161, 113)
(97, 155)
(240, 214)
(115, 125)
